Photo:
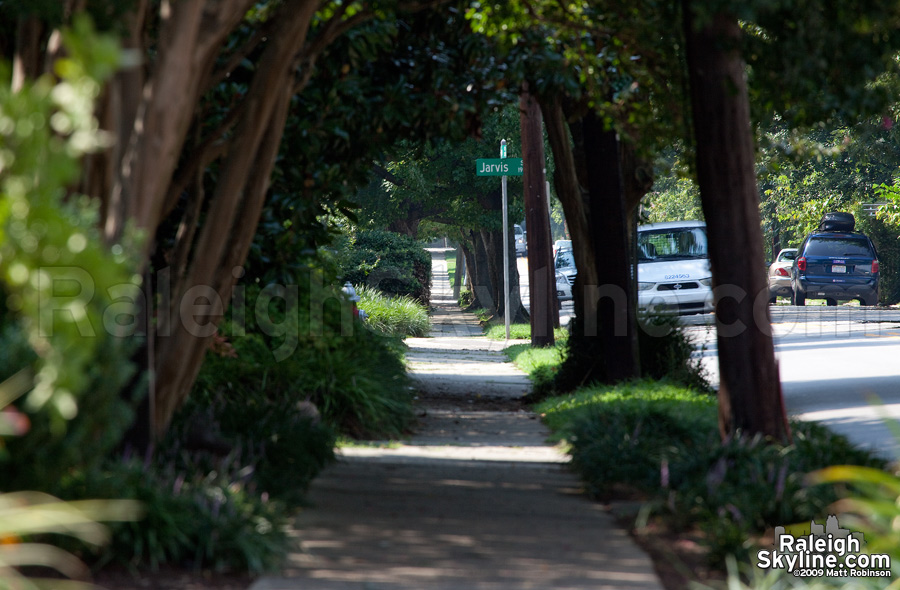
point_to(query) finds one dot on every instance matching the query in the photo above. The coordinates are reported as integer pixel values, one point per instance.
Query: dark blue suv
(835, 263)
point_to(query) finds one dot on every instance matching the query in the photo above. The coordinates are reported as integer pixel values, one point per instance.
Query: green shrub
(465, 298)
(540, 364)
(662, 440)
(236, 408)
(745, 485)
(623, 434)
(666, 352)
(399, 316)
(57, 273)
(327, 359)
(392, 263)
(194, 517)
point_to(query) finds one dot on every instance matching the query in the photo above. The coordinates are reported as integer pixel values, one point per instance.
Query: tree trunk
(479, 274)
(541, 272)
(750, 400)
(518, 314)
(494, 247)
(571, 195)
(615, 297)
(494, 268)
(407, 227)
(461, 274)
(27, 58)
(190, 40)
(235, 207)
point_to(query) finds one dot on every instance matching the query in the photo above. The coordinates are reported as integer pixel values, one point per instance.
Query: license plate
(839, 268)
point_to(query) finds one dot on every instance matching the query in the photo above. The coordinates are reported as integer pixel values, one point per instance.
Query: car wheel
(868, 302)
(798, 298)
(831, 302)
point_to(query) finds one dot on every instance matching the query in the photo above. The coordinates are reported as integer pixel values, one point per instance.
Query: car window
(672, 244)
(565, 259)
(838, 246)
(789, 255)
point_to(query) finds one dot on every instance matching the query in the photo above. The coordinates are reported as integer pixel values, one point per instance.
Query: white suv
(673, 268)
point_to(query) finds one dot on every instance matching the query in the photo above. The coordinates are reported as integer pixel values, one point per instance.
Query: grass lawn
(496, 330)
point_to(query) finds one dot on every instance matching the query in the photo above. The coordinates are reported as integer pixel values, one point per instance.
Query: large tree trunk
(603, 340)
(480, 276)
(235, 208)
(27, 58)
(191, 38)
(750, 400)
(616, 303)
(570, 192)
(541, 273)
(518, 314)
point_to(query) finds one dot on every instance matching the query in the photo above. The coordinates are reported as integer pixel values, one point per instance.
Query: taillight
(801, 263)
(782, 272)
(875, 266)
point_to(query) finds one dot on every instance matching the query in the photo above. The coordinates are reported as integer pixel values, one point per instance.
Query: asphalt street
(839, 365)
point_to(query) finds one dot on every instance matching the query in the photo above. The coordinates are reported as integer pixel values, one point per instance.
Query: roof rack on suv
(837, 221)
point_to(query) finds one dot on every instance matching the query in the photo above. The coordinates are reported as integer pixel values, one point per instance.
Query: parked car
(521, 244)
(673, 268)
(564, 262)
(563, 288)
(836, 263)
(780, 274)
(561, 244)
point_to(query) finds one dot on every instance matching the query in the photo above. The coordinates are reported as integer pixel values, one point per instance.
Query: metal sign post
(503, 167)
(505, 246)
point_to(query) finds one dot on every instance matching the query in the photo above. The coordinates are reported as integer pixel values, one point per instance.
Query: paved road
(839, 366)
(567, 311)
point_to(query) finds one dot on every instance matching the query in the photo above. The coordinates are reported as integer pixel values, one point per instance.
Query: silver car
(521, 244)
(780, 274)
(564, 261)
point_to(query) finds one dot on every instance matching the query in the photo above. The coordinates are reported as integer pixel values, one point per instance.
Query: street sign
(498, 167)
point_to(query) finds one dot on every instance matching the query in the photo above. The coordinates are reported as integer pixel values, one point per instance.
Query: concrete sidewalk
(475, 499)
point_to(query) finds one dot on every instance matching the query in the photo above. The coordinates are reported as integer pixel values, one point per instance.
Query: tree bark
(518, 314)
(407, 227)
(461, 274)
(190, 39)
(750, 400)
(235, 208)
(541, 272)
(27, 58)
(479, 275)
(616, 303)
(493, 241)
(571, 195)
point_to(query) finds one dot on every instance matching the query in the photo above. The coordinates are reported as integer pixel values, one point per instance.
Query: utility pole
(541, 273)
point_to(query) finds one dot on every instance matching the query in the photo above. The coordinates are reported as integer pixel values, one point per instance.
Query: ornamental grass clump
(397, 316)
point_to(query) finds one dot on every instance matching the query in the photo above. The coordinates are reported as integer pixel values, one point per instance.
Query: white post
(505, 247)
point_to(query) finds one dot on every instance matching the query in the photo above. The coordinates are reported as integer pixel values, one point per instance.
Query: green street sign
(498, 167)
